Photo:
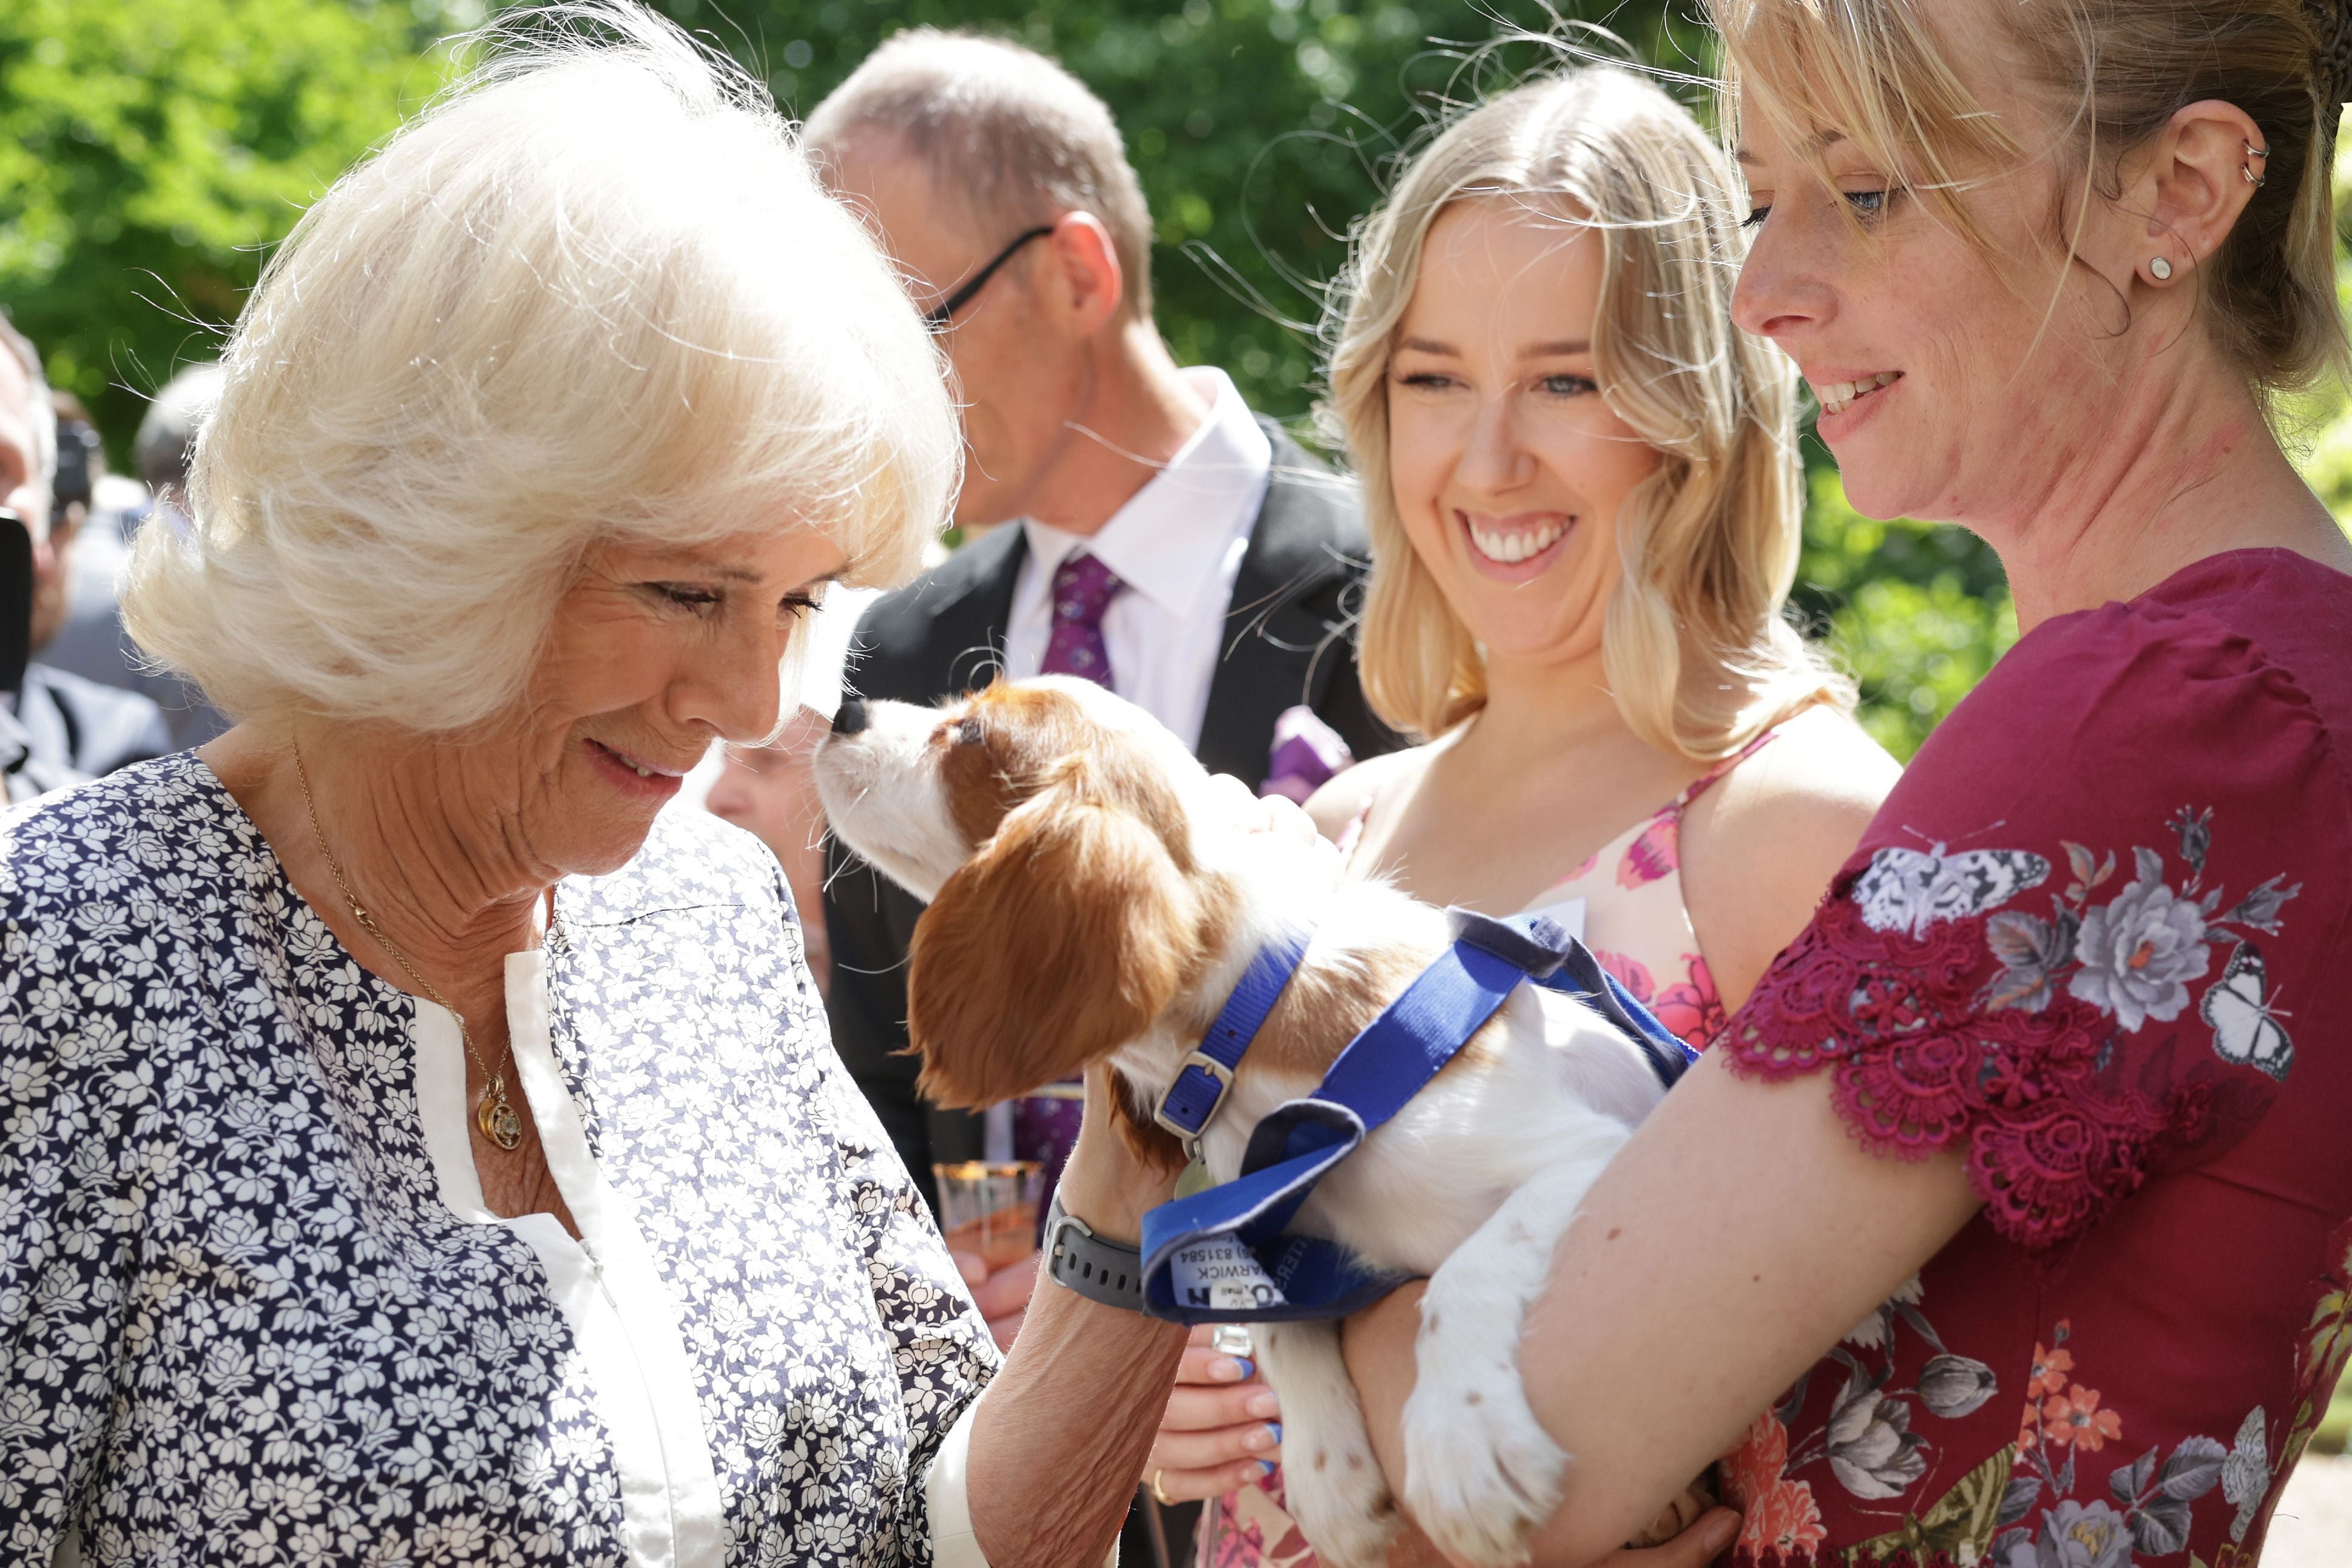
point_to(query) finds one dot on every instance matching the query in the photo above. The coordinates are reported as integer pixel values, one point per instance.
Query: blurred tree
(1262, 129)
(151, 150)
(1918, 612)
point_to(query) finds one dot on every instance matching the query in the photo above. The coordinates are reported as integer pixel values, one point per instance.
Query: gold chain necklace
(495, 1115)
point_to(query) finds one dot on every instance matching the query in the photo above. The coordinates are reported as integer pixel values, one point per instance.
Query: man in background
(55, 727)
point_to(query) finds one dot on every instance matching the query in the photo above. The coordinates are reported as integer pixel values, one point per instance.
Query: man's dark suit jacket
(1286, 641)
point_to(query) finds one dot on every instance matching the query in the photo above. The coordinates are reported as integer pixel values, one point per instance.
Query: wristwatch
(1080, 1260)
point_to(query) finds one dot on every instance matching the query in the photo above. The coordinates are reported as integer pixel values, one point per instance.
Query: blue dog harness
(1220, 1256)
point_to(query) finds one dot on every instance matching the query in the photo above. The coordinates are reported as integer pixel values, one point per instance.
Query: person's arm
(1759, 847)
(1717, 1257)
(1059, 1440)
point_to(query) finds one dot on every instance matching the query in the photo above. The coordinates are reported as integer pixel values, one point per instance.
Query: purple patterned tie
(1082, 589)
(1045, 1128)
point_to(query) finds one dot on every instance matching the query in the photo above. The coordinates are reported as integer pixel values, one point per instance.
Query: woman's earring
(2247, 169)
(2160, 269)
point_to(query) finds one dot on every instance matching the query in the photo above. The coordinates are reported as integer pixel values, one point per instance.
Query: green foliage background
(151, 150)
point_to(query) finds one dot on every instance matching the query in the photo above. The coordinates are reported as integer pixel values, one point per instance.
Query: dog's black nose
(849, 719)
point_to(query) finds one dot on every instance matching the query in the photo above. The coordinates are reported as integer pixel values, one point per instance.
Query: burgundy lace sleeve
(2049, 1149)
(2063, 944)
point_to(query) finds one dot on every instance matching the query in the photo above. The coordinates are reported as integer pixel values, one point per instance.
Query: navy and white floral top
(252, 1307)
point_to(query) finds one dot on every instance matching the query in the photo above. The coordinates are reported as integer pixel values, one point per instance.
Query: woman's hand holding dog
(1223, 1428)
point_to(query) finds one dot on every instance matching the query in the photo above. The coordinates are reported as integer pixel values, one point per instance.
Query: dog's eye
(965, 732)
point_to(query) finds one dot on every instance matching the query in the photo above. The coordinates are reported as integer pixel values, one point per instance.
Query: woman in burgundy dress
(2009, 1222)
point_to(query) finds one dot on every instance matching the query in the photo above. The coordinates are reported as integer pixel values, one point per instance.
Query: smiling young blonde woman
(1583, 496)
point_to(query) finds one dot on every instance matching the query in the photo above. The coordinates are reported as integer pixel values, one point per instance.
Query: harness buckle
(1185, 1123)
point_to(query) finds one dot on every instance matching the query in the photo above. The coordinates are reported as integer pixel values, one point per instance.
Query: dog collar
(1207, 1075)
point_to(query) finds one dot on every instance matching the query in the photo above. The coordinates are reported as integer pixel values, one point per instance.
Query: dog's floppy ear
(1062, 939)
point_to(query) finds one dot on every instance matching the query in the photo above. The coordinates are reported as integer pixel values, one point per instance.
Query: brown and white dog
(1096, 895)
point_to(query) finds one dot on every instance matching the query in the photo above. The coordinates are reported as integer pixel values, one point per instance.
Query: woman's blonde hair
(592, 295)
(1695, 645)
(1882, 73)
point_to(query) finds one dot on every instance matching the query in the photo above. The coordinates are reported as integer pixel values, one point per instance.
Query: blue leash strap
(1581, 975)
(1222, 1255)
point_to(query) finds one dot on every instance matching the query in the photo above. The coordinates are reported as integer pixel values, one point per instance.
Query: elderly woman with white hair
(414, 1145)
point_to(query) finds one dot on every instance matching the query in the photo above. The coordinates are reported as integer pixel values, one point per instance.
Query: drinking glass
(991, 1207)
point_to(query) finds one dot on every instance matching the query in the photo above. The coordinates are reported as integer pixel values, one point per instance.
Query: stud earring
(2160, 269)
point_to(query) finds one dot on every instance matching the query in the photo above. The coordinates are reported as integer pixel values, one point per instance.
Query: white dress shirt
(1178, 545)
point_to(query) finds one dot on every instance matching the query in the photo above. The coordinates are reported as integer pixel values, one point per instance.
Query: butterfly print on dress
(2246, 1028)
(1908, 890)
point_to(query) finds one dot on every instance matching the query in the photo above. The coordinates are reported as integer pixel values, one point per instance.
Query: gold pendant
(498, 1121)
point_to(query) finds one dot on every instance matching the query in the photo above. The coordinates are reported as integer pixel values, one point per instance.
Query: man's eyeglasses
(941, 314)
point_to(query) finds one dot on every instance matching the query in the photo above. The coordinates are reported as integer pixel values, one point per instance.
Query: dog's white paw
(1333, 1484)
(1480, 1471)
(1337, 1495)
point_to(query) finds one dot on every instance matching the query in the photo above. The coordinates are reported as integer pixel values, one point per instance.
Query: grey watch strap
(1082, 1261)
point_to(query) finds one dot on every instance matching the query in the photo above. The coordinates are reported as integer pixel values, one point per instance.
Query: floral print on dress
(1654, 852)
(1776, 1514)
(2022, 1071)
(2135, 956)
(1627, 971)
(1871, 1443)
(239, 1322)
(1691, 1008)
(2146, 1508)
(2056, 1135)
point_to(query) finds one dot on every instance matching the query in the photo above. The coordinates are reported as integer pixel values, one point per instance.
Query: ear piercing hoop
(2161, 268)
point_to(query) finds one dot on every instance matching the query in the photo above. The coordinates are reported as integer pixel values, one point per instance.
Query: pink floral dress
(2097, 940)
(1636, 924)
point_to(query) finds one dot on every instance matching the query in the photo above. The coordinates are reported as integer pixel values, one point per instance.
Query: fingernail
(1234, 1369)
(1262, 1438)
(1275, 1427)
(1263, 1470)
(1718, 1530)
(1264, 1404)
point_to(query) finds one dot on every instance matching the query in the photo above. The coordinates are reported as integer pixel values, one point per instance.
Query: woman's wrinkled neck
(2175, 464)
(421, 835)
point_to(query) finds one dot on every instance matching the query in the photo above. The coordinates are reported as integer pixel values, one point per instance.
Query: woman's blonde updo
(592, 295)
(1696, 647)
(1881, 72)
